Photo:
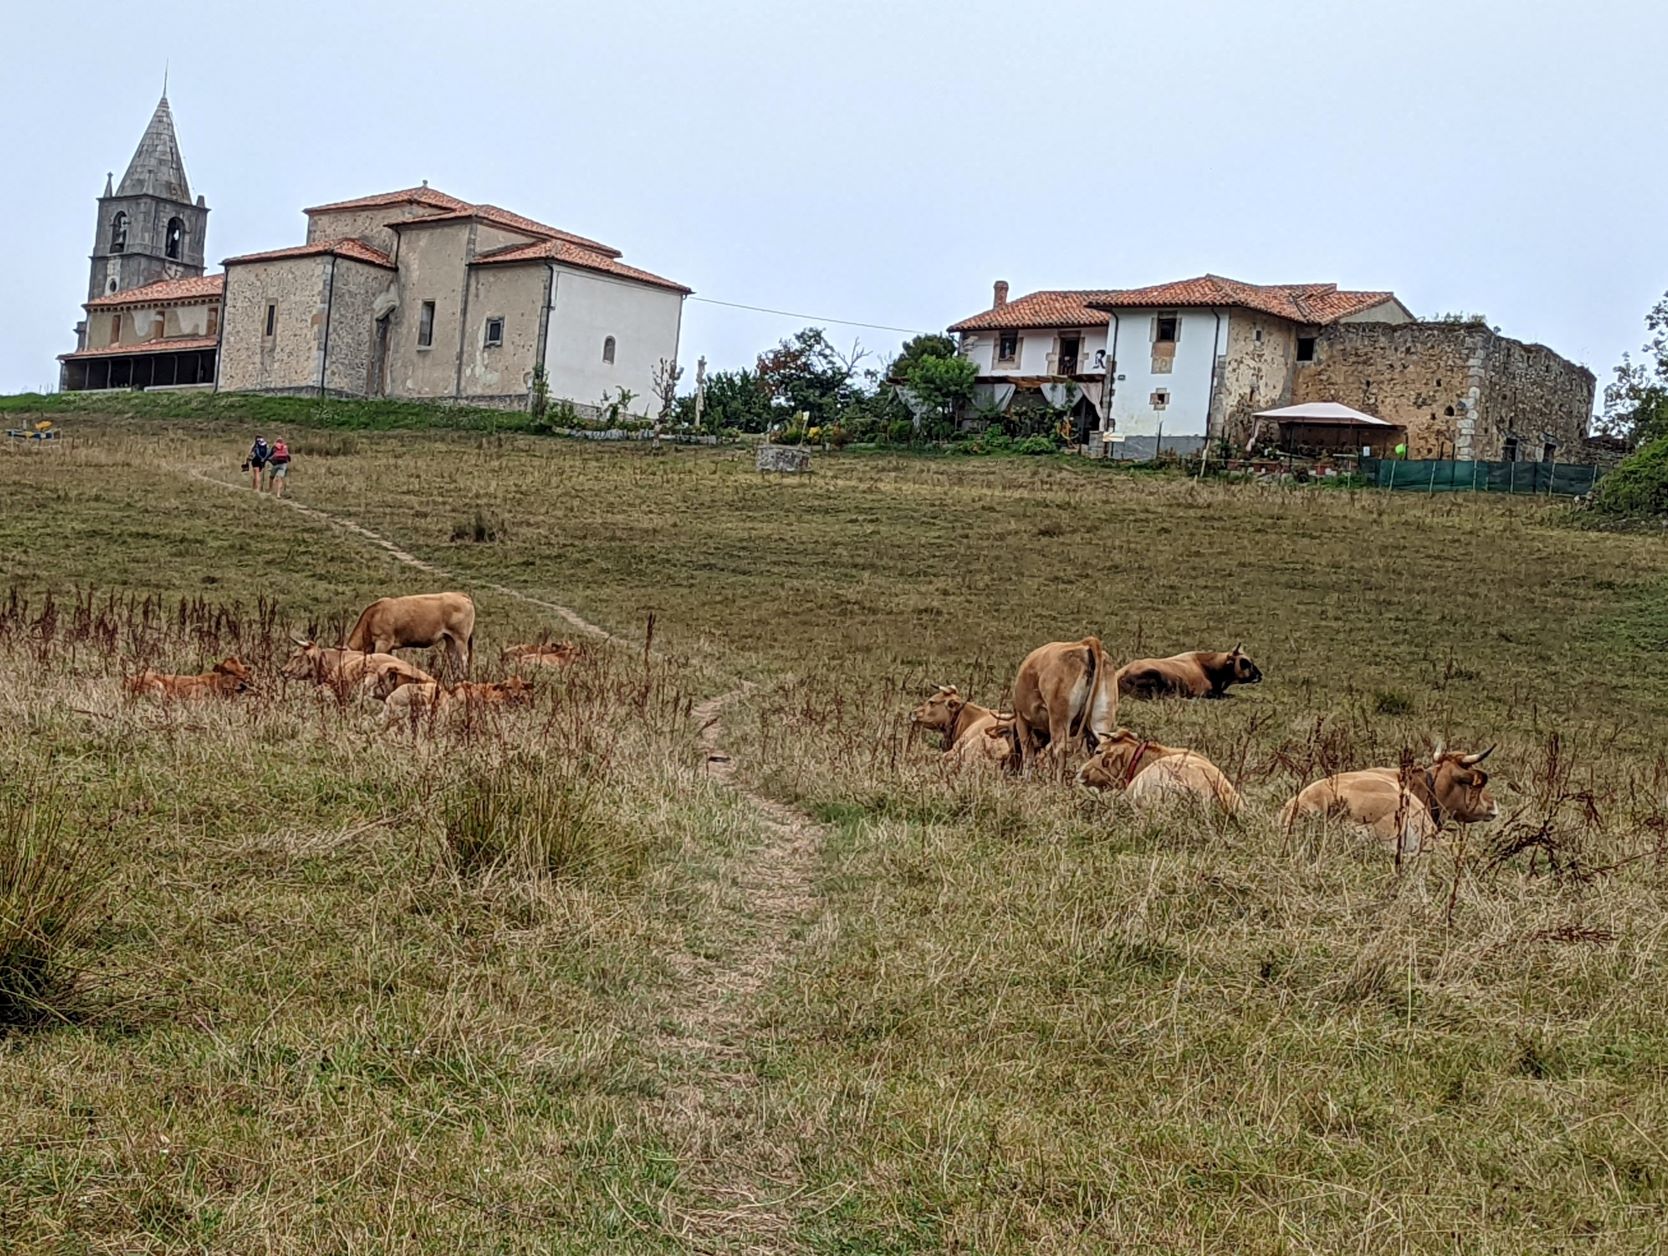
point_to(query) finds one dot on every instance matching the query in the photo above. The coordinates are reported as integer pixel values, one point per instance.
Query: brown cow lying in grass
(227, 677)
(1065, 696)
(544, 654)
(410, 702)
(1148, 771)
(963, 725)
(344, 670)
(1406, 810)
(1198, 674)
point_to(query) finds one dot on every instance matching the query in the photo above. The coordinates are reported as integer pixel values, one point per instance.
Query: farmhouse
(1183, 362)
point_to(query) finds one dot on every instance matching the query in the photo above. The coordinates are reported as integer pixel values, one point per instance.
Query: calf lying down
(413, 702)
(1148, 772)
(965, 728)
(227, 677)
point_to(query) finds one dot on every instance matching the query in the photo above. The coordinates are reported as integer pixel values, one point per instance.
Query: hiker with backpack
(280, 464)
(260, 453)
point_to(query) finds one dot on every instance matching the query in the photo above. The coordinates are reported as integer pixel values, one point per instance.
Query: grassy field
(546, 982)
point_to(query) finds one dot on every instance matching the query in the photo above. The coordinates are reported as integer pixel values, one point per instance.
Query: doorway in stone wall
(379, 357)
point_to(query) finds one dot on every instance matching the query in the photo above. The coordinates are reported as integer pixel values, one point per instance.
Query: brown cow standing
(1148, 771)
(227, 677)
(1405, 810)
(963, 726)
(418, 621)
(1065, 695)
(1197, 674)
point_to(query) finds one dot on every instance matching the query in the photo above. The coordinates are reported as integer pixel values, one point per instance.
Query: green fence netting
(1415, 475)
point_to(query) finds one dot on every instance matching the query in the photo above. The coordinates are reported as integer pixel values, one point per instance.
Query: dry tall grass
(430, 989)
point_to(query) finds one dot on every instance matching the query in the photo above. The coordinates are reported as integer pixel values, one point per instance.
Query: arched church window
(176, 238)
(608, 350)
(118, 232)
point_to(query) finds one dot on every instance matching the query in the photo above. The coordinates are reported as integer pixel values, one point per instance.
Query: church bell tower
(148, 226)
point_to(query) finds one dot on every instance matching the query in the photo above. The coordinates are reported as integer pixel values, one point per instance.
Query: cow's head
(515, 689)
(1243, 670)
(1109, 766)
(938, 711)
(230, 673)
(1461, 786)
(303, 664)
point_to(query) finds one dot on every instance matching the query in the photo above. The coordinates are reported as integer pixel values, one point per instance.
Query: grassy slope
(1025, 1018)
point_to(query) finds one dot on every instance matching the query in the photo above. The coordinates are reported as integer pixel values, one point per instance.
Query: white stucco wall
(1036, 345)
(1199, 339)
(587, 309)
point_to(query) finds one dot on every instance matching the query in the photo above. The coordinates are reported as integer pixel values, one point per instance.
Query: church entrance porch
(90, 371)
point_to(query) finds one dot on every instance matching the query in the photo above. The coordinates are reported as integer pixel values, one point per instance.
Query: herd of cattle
(367, 665)
(1065, 703)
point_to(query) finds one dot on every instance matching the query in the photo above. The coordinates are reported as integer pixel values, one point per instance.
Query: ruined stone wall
(1529, 392)
(1423, 376)
(1458, 388)
(1254, 373)
(250, 360)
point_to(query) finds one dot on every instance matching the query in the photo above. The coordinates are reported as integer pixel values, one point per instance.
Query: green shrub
(1638, 488)
(900, 432)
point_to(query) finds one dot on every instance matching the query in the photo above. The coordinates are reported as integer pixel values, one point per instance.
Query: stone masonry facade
(1461, 390)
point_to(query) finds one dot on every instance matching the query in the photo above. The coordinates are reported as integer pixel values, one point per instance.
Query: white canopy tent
(1327, 425)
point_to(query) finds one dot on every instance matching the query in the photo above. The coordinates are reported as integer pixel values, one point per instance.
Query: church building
(153, 317)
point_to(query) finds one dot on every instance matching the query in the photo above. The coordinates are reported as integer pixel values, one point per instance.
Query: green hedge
(1638, 487)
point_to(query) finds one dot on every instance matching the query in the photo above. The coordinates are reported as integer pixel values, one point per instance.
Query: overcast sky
(883, 162)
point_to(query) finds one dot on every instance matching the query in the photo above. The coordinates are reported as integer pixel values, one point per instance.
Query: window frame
(1018, 343)
(610, 350)
(118, 232)
(271, 321)
(425, 325)
(488, 339)
(1174, 318)
(1305, 350)
(173, 246)
(115, 329)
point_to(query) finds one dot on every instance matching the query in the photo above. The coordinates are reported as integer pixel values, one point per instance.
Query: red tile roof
(195, 288)
(1297, 302)
(357, 250)
(574, 255)
(177, 345)
(1300, 303)
(425, 195)
(513, 222)
(1049, 308)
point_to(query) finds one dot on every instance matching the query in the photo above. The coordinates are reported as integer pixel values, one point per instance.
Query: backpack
(280, 452)
(260, 453)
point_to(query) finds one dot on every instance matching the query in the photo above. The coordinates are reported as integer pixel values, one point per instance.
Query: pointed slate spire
(109, 189)
(157, 168)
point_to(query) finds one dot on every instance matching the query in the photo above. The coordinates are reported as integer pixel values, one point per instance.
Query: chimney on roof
(1001, 293)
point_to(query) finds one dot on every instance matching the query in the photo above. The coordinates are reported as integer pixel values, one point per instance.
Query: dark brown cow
(418, 621)
(227, 677)
(1198, 674)
(1065, 697)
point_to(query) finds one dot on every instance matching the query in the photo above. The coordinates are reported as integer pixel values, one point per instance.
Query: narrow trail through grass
(710, 1104)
